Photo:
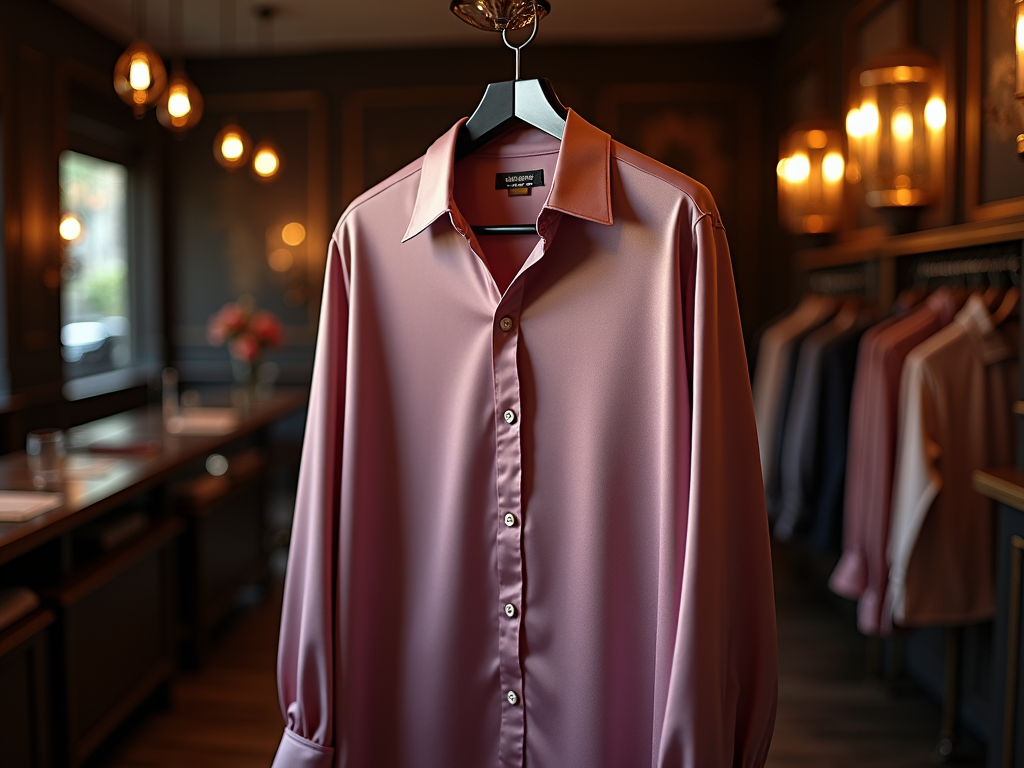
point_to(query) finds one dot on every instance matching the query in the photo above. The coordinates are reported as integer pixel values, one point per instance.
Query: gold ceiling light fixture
(139, 74)
(499, 15)
(181, 105)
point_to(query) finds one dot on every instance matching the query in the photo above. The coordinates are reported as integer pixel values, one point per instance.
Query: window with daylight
(95, 327)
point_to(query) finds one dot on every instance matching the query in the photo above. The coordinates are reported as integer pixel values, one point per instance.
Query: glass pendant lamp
(181, 105)
(139, 74)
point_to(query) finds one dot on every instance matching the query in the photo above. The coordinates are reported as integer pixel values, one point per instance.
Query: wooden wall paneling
(227, 239)
(712, 134)
(32, 217)
(25, 734)
(993, 117)
(418, 115)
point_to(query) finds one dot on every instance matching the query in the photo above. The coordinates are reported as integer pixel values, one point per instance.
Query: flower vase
(247, 377)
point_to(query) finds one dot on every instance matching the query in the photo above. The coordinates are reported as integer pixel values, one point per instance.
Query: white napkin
(19, 506)
(203, 421)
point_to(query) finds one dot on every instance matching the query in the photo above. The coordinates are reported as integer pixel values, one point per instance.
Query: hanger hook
(518, 48)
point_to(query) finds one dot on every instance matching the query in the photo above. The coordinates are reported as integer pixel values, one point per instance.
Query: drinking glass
(46, 449)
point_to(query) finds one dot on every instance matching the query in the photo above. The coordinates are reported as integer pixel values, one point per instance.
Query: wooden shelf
(876, 246)
(1003, 485)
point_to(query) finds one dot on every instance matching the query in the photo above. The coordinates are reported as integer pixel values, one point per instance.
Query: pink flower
(245, 347)
(234, 319)
(267, 328)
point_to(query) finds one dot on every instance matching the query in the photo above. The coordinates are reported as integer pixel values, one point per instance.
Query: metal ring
(529, 40)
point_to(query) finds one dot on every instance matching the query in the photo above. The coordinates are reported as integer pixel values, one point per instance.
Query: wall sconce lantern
(896, 130)
(810, 173)
(1018, 27)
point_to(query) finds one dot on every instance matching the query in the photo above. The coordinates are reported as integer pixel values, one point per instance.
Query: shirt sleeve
(723, 687)
(305, 665)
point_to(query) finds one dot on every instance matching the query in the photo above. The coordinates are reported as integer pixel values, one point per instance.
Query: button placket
(508, 421)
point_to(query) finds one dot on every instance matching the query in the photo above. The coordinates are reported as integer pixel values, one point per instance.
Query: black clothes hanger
(505, 104)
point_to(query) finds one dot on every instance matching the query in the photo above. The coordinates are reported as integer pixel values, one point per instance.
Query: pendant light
(266, 161)
(181, 105)
(139, 74)
(232, 146)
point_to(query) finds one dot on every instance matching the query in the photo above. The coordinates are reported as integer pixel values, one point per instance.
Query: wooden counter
(139, 564)
(133, 474)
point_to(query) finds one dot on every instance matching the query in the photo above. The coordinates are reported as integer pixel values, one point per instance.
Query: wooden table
(133, 474)
(108, 632)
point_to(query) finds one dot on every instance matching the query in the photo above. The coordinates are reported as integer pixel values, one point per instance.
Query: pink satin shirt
(530, 527)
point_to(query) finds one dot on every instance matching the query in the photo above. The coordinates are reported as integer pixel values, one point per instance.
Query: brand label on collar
(519, 182)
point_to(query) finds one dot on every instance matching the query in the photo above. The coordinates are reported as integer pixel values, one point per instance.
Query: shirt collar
(977, 321)
(581, 185)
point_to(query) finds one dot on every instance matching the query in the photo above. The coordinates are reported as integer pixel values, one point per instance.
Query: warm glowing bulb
(265, 163)
(833, 167)
(293, 234)
(178, 103)
(70, 227)
(1020, 33)
(935, 113)
(780, 169)
(854, 124)
(139, 76)
(232, 146)
(902, 124)
(817, 139)
(280, 260)
(869, 119)
(798, 168)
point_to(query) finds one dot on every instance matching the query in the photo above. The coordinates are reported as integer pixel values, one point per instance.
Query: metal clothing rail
(962, 267)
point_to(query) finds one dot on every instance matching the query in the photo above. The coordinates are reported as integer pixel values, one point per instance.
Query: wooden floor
(227, 716)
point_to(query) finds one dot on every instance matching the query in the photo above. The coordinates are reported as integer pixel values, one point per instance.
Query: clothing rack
(927, 268)
(832, 282)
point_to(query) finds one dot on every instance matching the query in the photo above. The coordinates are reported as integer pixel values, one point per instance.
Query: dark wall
(48, 58)
(704, 108)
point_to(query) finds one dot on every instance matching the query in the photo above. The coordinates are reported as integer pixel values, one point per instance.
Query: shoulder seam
(666, 181)
(354, 205)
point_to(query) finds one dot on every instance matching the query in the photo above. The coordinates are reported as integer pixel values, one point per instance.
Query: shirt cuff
(297, 752)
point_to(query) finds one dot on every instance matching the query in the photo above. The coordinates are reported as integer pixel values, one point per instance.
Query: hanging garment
(530, 528)
(800, 457)
(956, 396)
(773, 378)
(838, 366)
(863, 572)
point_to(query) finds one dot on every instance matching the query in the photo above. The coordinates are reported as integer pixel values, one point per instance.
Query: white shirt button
(510, 610)
(506, 323)
(513, 699)
(510, 519)
(510, 416)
